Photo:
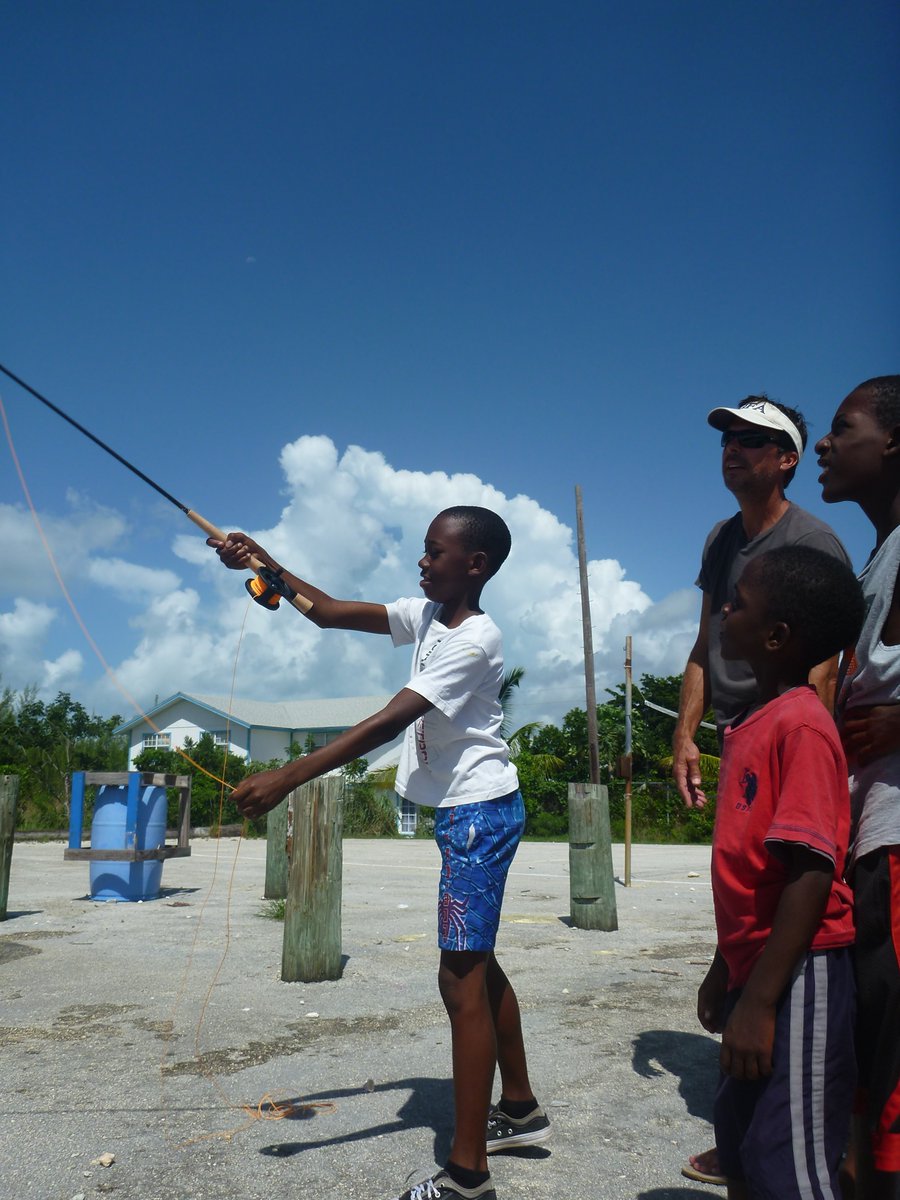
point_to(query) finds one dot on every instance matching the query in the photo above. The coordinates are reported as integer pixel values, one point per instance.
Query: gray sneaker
(442, 1187)
(508, 1133)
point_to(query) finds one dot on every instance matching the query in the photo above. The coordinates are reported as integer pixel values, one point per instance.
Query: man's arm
(692, 704)
(750, 1030)
(326, 612)
(824, 680)
(259, 793)
(870, 732)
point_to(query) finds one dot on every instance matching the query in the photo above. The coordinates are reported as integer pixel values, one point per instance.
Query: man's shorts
(477, 844)
(785, 1135)
(876, 895)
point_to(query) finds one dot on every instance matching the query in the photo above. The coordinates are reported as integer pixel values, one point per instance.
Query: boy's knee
(461, 980)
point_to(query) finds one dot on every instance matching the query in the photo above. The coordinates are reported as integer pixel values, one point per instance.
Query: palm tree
(511, 679)
(520, 741)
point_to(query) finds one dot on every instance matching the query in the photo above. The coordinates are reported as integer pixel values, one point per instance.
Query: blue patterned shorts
(477, 844)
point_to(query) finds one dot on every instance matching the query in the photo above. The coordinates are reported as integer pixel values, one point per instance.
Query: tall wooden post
(312, 912)
(590, 686)
(629, 761)
(276, 852)
(591, 880)
(9, 795)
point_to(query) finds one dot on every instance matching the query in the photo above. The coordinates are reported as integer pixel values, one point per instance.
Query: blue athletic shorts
(477, 844)
(785, 1135)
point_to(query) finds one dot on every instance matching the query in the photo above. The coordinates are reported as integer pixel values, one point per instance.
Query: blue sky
(522, 246)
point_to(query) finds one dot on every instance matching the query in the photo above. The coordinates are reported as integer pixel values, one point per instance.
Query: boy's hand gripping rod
(267, 589)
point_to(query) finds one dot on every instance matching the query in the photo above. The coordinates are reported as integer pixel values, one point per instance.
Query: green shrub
(369, 810)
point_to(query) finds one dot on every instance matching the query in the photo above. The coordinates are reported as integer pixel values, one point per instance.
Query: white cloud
(355, 525)
(62, 673)
(23, 628)
(23, 633)
(73, 538)
(130, 580)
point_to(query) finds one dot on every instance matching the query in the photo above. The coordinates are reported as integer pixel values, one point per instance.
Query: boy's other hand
(686, 772)
(748, 1039)
(870, 732)
(259, 794)
(711, 998)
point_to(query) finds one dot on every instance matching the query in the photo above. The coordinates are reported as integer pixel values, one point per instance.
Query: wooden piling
(276, 852)
(312, 917)
(591, 880)
(9, 796)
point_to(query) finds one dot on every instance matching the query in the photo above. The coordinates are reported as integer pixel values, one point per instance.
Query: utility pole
(590, 686)
(629, 759)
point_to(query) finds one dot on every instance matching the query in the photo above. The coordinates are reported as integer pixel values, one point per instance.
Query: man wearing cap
(762, 442)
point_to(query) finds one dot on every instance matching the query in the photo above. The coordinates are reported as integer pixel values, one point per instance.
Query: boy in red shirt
(780, 989)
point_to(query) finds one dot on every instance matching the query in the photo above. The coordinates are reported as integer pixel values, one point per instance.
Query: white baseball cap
(759, 412)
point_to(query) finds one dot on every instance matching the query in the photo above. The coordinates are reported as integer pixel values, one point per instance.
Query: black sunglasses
(750, 439)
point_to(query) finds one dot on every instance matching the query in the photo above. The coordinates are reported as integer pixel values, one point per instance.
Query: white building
(260, 729)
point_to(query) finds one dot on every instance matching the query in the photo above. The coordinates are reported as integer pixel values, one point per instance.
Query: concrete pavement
(147, 1031)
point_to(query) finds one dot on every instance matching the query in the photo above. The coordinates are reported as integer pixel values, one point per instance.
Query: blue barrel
(127, 880)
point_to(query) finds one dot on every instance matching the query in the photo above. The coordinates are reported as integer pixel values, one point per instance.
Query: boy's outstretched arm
(326, 612)
(750, 1030)
(258, 794)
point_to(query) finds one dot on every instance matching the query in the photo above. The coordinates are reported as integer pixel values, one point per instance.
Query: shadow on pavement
(693, 1058)
(429, 1102)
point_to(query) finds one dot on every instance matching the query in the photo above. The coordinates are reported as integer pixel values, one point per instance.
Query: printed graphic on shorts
(452, 921)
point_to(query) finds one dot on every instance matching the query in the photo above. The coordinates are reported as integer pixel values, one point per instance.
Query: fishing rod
(268, 588)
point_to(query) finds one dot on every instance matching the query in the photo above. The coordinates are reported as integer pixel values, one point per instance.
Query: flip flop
(690, 1172)
(694, 1173)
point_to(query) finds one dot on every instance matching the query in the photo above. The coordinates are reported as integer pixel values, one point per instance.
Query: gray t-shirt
(873, 677)
(726, 553)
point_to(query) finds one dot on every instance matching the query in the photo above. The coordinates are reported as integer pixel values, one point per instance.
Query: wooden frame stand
(133, 781)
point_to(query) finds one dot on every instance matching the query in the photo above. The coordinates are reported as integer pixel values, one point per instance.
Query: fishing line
(267, 1108)
(120, 688)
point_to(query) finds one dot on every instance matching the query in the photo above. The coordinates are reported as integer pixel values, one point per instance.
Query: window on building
(408, 817)
(157, 741)
(315, 739)
(220, 736)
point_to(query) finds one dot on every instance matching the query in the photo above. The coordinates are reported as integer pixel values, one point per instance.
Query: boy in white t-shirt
(454, 760)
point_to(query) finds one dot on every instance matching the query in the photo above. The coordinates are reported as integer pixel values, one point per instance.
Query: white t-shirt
(873, 677)
(454, 753)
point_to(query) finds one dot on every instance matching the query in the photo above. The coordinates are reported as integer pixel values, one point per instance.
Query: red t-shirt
(783, 779)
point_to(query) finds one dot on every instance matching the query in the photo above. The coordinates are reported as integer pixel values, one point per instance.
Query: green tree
(368, 805)
(511, 680)
(44, 743)
(211, 803)
(548, 758)
(536, 767)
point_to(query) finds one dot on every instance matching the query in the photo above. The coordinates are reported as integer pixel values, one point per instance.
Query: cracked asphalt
(161, 1033)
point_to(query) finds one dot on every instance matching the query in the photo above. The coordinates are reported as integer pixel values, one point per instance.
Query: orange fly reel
(268, 588)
